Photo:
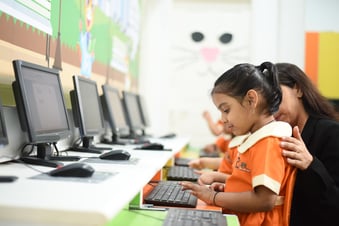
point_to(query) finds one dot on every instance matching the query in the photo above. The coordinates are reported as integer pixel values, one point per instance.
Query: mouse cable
(27, 165)
(23, 152)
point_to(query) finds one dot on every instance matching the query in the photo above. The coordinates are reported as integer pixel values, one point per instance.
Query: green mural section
(100, 31)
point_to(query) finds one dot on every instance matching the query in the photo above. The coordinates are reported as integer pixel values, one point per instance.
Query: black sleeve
(323, 174)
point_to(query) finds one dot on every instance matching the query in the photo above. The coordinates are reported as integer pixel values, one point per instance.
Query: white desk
(44, 202)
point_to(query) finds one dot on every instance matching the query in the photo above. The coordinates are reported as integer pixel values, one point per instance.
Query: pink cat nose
(209, 54)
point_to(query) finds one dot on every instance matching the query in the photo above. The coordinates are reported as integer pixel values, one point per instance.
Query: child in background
(216, 127)
(259, 188)
(221, 145)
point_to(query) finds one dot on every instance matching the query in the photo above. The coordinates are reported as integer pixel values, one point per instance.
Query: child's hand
(202, 192)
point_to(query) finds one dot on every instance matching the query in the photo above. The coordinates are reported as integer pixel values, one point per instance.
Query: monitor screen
(133, 114)
(114, 110)
(40, 102)
(143, 111)
(86, 106)
(3, 129)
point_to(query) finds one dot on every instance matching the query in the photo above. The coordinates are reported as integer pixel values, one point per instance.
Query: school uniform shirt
(222, 142)
(316, 192)
(258, 161)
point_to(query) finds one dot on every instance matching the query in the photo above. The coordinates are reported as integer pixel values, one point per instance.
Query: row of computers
(43, 115)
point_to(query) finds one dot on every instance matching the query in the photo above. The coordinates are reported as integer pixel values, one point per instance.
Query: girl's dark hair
(242, 77)
(314, 102)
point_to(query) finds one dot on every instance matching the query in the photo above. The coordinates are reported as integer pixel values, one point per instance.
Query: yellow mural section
(328, 77)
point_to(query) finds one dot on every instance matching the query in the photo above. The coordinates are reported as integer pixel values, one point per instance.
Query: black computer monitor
(144, 111)
(41, 106)
(113, 110)
(87, 112)
(131, 106)
(3, 129)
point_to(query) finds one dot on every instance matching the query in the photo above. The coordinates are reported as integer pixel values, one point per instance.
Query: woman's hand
(295, 151)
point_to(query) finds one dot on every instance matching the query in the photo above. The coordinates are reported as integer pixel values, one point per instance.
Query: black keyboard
(182, 161)
(180, 173)
(214, 154)
(169, 193)
(183, 217)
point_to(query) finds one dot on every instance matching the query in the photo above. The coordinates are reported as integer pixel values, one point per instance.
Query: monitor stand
(88, 147)
(115, 140)
(44, 152)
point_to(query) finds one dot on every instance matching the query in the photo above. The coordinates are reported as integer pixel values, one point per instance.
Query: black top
(316, 192)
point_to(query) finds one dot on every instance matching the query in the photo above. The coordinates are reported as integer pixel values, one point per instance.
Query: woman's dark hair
(314, 102)
(242, 77)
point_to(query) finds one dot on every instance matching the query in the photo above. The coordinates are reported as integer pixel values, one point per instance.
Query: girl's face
(237, 117)
(290, 106)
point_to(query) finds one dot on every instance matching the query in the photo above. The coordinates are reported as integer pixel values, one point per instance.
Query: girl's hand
(202, 192)
(195, 164)
(295, 151)
(217, 186)
(207, 178)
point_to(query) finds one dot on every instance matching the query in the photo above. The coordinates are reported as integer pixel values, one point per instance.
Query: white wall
(277, 34)
(154, 58)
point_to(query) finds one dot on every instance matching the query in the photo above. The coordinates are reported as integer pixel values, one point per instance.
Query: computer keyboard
(182, 161)
(183, 217)
(214, 154)
(169, 193)
(180, 173)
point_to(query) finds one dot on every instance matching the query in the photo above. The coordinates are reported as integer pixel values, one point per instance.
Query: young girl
(260, 186)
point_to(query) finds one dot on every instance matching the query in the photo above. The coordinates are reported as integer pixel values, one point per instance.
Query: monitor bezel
(133, 126)
(143, 110)
(24, 110)
(109, 112)
(79, 116)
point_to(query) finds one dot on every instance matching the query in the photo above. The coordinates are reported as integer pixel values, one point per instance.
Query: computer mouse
(152, 146)
(116, 155)
(78, 169)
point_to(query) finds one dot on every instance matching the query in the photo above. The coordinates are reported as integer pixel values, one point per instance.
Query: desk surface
(54, 202)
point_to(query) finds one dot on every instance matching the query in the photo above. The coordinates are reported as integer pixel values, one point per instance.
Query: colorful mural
(87, 31)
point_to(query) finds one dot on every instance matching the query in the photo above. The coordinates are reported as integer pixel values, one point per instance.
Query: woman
(314, 148)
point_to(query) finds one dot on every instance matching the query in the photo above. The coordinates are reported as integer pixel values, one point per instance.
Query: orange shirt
(222, 143)
(256, 160)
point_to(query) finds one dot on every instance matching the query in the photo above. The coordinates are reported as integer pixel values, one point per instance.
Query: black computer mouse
(78, 169)
(116, 155)
(152, 146)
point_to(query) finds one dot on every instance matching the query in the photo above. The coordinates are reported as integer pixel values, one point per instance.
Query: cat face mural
(207, 39)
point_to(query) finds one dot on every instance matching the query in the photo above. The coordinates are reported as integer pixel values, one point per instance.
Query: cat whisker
(183, 49)
(183, 64)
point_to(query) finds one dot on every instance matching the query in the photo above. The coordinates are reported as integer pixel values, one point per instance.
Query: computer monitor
(143, 111)
(136, 125)
(41, 106)
(87, 112)
(113, 110)
(3, 129)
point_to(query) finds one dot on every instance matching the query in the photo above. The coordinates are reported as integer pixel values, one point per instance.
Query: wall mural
(204, 44)
(94, 35)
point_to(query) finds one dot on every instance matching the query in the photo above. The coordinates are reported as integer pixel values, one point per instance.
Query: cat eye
(226, 38)
(197, 36)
